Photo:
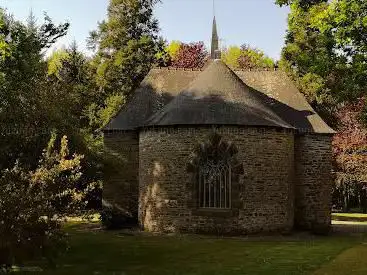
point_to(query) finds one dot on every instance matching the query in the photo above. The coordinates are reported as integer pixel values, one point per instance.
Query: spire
(215, 54)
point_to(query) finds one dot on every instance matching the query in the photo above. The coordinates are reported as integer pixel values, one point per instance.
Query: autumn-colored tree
(350, 155)
(173, 48)
(193, 55)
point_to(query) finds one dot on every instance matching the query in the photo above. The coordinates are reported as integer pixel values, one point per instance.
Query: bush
(114, 217)
(33, 205)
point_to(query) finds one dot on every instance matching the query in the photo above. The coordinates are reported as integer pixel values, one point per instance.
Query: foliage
(302, 3)
(350, 155)
(254, 58)
(33, 204)
(173, 49)
(231, 56)
(325, 50)
(127, 44)
(346, 21)
(74, 91)
(113, 217)
(193, 55)
(246, 57)
(25, 116)
(55, 61)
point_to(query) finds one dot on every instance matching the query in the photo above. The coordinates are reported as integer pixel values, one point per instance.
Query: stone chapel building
(220, 151)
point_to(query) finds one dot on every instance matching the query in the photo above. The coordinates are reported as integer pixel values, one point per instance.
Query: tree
(303, 3)
(55, 61)
(309, 55)
(173, 49)
(193, 55)
(346, 21)
(325, 50)
(231, 56)
(33, 204)
(127, 44)
(25, 121)
(246, 57)
(350, 158)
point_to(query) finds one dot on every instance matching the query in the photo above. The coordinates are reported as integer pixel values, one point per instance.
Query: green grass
(99, 252)
(349, 217)
(351, 261)
(354, 215)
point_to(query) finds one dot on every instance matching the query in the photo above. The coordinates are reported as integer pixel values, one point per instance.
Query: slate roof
(218, 96)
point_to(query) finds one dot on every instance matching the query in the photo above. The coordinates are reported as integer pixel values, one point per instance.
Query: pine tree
(127, 44)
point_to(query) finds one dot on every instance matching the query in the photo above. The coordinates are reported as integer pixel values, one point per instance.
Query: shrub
(114, 217)
(34, 203)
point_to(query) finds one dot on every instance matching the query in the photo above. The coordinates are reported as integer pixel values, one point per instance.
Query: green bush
(114, 217)
(33, 205)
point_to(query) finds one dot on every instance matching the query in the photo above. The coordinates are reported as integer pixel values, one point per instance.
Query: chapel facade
(220, 151)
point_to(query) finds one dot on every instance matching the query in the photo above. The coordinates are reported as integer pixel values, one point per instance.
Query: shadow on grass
(94, 251)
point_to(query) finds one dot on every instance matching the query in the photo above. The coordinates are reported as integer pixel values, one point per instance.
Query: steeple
(215, 54)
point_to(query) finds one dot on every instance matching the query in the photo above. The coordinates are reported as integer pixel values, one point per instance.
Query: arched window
(216, 172)
(214, 184)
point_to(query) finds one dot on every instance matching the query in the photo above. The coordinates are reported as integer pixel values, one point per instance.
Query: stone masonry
(263, 197)
(313, 181)
(122, 170)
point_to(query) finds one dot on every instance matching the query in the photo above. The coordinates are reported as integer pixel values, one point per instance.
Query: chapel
(220, 151)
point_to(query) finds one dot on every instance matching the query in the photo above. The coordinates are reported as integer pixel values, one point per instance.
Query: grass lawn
(349, 217)
(351, 261)
(99, 252)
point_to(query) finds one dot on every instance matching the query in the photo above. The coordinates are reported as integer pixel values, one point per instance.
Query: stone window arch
(216, 171)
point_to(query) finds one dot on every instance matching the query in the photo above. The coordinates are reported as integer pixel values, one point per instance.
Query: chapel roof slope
(159, 87)
(217, 97)
(280, 92)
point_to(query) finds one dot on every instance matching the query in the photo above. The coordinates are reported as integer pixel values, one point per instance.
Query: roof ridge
(257, 70)
(171, 68)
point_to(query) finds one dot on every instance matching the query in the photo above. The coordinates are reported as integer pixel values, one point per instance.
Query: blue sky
(259, 23)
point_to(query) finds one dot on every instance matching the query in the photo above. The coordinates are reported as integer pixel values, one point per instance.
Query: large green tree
(326, 49)
(127, 44)
(25, 120)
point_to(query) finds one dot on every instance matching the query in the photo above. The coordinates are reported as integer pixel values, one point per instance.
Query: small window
(214, 184)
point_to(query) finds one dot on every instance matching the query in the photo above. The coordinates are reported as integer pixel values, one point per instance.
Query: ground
(94, 251)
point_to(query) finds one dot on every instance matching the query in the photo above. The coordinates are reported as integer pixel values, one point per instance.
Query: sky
(259, 23)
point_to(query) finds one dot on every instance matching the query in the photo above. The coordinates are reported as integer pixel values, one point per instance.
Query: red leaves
(191, 56)
(350, 143)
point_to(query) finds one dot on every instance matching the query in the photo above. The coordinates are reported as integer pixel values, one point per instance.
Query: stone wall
(121, 173)
(265, 190)
(314, 181)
